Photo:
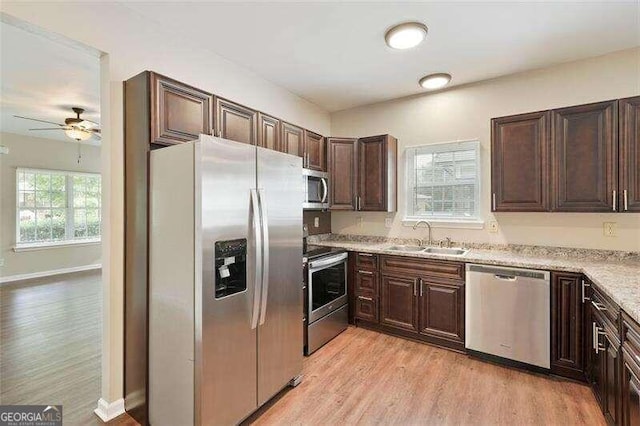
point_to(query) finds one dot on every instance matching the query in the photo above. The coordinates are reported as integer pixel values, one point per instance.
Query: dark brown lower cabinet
(567, 358)
(630, 391)
(442, 310)
(366, 307)
(603, 370)
(399, 301)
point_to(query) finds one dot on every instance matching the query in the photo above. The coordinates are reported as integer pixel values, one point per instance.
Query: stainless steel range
(326, 305)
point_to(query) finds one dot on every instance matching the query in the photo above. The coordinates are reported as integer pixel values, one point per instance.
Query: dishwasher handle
(505, 277)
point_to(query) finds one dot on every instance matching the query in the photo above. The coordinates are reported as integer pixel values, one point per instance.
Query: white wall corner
(109, 411)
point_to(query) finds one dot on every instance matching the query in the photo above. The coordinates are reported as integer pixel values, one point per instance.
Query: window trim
(475, 222)
(39, 245)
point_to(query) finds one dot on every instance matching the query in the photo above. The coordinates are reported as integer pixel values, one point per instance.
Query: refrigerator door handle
(257, 231)
(265, 256)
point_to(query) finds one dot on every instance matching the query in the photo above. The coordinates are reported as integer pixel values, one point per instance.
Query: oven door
(327, 285)
(316, 190)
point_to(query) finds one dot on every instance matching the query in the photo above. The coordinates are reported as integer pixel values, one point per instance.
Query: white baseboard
(109, 411)
(20, 277)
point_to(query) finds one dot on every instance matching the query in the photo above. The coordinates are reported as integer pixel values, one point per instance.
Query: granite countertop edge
(617, 279)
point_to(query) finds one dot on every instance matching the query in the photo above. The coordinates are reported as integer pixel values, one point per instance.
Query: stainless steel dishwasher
(507, 313)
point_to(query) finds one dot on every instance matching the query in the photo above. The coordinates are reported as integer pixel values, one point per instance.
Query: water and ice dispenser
(231, 267)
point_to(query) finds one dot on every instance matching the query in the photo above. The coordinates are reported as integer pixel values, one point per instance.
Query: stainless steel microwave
(316, 190)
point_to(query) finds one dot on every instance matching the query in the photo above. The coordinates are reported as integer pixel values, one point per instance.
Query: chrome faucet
(430, 241)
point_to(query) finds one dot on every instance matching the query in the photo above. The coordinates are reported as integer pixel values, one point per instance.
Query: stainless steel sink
(430, 250)
(449, 251)
(405, 248)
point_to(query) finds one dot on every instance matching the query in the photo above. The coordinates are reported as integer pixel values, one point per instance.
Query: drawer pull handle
(599, 306)
(365, 254)
(365, 272)
(369, 299)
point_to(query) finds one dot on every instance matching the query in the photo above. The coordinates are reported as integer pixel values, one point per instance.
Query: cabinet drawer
(428, 267)
(631, 337)
(366, 282)
(602, 304)
(368, 261)
(366, 308)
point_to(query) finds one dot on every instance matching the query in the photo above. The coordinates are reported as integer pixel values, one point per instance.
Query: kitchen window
(57, 207)
(443, 183)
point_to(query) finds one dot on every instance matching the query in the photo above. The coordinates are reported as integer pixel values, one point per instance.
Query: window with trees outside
(443, 182)
(57, 207)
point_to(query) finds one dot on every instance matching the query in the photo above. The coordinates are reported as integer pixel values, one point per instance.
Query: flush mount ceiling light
(406, 35)
(435, 81)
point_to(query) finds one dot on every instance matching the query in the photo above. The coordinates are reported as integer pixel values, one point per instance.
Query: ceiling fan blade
(95, 130)
(91, 121)
(97, 135)
(35, 119)
(51, 128)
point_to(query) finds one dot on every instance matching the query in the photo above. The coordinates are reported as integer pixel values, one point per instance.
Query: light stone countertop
(619, 279)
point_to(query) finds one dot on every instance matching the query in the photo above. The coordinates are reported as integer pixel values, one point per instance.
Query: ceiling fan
(79, 129)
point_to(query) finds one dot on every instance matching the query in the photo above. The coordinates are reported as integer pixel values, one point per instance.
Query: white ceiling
(333, 54)
(43, 77)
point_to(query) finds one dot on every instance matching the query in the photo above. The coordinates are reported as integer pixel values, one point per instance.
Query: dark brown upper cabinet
(179, 113)
(520, 162)
(629, 183)
(585, 158)
(315, 151)
(236, 122)
(292, 139)
(372, 183)
(567, 349)
(268, 132)
(342, 153)
(376, 171)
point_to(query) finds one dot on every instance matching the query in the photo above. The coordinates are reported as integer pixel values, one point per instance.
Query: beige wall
(463, 113)
(40, 153)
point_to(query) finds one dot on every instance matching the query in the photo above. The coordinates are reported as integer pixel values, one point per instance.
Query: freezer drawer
(326, 328)
(508, 313)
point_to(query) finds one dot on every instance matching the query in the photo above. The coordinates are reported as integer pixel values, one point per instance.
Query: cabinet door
(315, 151)
(179, 113)
(630, 391)
(399, 302)
(611, 379)
(342, 173)
(585, 158)
(372, 174)
(268, 132)
(630, 154)
(292, 139)
(236, 122)
(442, 310)
(520, 162)
(366, 307)
(566, 325)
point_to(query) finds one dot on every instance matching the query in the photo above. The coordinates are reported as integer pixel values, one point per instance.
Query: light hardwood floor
(50, 338)
(363, 377)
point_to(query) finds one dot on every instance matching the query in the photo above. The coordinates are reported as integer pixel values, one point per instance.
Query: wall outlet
(493, 227)
(610, 229)
(316, 222)
(388, 222)
(359, 221)
(1, 262)
(4, 149)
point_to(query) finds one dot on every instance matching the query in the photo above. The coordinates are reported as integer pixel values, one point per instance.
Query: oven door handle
(323, 263)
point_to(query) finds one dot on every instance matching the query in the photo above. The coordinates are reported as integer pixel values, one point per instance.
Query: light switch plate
(4, 149)
(610, 229)
(1, 262)
(316, 222)
(493, 227)
(388, 222)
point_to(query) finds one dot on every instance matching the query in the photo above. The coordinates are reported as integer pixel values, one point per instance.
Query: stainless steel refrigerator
(226, 298)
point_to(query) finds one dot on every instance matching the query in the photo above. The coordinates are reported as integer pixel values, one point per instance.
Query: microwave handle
(326, 190)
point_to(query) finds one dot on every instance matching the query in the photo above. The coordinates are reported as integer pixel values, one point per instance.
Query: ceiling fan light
(435, 81)
(78, 134)
(406, 35)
